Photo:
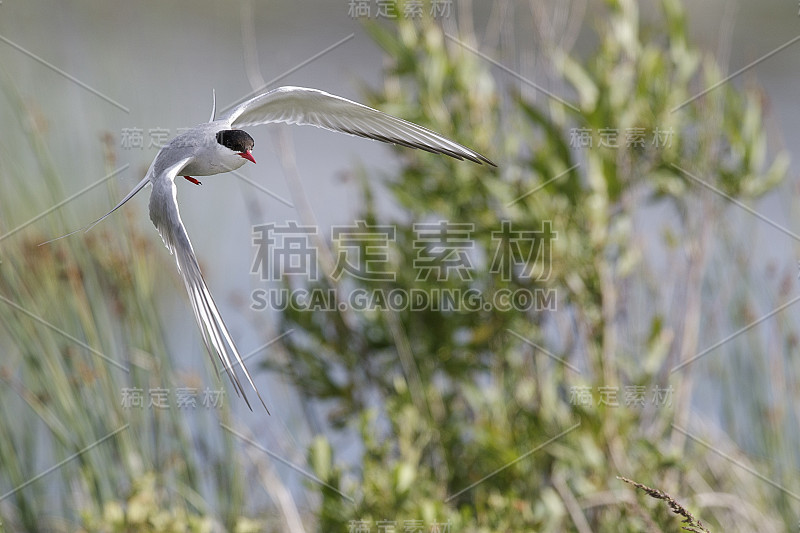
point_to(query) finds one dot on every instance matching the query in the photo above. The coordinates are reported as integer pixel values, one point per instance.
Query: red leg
(193, 180)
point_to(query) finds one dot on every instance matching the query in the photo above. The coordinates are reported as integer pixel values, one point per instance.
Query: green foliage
(456, 410)
(144, 512)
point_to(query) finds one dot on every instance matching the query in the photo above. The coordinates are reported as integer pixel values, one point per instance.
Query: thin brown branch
(690, 522)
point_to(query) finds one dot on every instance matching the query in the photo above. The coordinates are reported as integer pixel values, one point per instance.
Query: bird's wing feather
(213, 106)
(166, 218)
(299, 105)
(130, 195)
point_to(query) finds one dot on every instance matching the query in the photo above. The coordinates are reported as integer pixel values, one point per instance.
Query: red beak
(247, 155)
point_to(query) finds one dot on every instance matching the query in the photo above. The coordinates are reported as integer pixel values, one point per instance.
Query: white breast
(210, 157)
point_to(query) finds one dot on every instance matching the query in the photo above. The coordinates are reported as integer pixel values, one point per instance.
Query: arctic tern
(221, 146)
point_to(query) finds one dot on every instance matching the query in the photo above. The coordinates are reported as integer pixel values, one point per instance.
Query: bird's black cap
(237, 140)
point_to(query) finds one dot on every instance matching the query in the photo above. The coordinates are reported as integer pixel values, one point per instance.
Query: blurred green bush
(458, 411)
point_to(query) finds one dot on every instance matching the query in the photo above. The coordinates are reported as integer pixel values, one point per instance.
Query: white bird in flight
(219, 146)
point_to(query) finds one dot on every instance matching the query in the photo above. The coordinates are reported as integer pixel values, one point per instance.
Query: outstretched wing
(298, 105)
(166, 218)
